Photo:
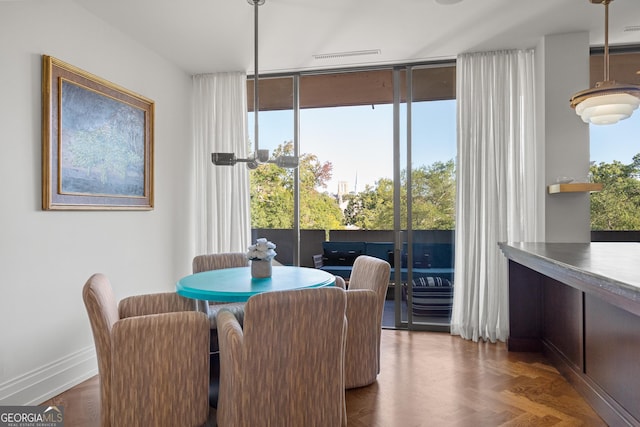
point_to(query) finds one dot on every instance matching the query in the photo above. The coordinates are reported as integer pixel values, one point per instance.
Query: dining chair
(285, 366)
(317, 261)
(219, 261)
(366, 294)
(153, 357)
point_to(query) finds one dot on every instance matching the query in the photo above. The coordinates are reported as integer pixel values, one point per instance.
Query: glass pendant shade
(607, 109)
(608, 102)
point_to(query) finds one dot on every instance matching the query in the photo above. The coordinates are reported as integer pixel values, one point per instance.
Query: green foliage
(272, 195)
(372, 209)
(617, 206)
(434, 193)
(433, 200)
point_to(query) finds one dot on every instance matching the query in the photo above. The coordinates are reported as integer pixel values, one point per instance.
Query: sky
(620, 141)
(358, 141)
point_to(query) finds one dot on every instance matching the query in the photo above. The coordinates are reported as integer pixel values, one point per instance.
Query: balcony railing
(311, 240)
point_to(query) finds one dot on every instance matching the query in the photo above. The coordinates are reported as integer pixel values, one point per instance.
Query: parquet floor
(430, 379)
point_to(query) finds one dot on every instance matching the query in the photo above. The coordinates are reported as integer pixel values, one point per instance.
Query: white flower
(262, 249)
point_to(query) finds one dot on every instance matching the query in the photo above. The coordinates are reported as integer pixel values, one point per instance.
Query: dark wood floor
(430, 379)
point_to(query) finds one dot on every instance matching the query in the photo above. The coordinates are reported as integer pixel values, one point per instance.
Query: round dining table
(237, 285)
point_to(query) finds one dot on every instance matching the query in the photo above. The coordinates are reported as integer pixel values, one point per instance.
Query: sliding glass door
(377, 152)
(426, 186)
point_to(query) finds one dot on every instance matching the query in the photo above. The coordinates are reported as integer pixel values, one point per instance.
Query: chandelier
(258, 156)
(608, 102)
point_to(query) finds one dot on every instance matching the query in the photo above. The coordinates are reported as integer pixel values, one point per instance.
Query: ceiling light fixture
(259, 156)
(608, 102)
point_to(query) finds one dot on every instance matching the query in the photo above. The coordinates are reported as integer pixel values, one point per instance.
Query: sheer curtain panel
(499, 196)
(223, 222)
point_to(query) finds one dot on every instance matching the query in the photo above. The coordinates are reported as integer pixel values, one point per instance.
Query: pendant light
(608, 102)
(259, 156)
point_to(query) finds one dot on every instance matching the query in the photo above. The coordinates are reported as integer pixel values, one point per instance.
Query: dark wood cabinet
(580, 304)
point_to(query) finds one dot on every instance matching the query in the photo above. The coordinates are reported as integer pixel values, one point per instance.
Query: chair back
(371, 273)
(219, 261)
(102, 310)
(291, 360)
(317, 261)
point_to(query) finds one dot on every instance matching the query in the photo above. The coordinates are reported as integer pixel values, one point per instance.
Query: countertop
(610, 270)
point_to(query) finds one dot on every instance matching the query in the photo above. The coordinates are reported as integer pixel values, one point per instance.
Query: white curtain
(499, 197)
(223, 222)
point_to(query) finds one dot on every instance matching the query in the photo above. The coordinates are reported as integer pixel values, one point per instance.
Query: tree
(433, 200)
(368, 210)
(617, 206)
(272, 194)
(434, 193)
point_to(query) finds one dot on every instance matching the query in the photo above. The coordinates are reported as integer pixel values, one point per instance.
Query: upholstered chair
(285, 366)
(153, 357)
(216, 262)
(366, 294)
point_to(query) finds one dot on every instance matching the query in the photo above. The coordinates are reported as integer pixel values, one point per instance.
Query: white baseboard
(51, 379)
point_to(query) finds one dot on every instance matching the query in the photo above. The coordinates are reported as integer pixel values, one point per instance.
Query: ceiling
(205, 36)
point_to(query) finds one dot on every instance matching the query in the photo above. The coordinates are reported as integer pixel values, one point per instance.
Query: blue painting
(102, 144)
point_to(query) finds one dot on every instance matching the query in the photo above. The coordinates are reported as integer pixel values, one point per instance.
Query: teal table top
(236, 284)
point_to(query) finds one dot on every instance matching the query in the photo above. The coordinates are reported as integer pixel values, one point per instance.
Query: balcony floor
(388, 317)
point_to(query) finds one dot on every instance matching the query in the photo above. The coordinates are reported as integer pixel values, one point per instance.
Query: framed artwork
(97, 142)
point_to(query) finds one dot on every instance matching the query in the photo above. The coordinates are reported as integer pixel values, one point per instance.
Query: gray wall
(564, 59)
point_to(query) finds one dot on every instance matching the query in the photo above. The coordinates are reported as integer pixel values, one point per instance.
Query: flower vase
(260, 268)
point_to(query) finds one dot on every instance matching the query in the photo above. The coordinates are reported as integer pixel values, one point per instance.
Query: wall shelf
(574, 187)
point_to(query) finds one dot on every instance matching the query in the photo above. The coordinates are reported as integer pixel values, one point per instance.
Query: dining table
(237, 285)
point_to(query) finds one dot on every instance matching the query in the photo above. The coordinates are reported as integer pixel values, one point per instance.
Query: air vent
(338, 55)
(632, 28)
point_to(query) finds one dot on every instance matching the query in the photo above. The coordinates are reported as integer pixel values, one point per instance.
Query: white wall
(46, 344)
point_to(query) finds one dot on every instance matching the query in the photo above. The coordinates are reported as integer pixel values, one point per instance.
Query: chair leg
(214, 369)
(214, 378)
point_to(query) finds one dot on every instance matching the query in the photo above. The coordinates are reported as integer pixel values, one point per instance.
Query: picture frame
(97, 142)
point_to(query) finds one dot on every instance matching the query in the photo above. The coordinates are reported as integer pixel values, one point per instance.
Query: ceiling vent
(338, 55)
(632, 28)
